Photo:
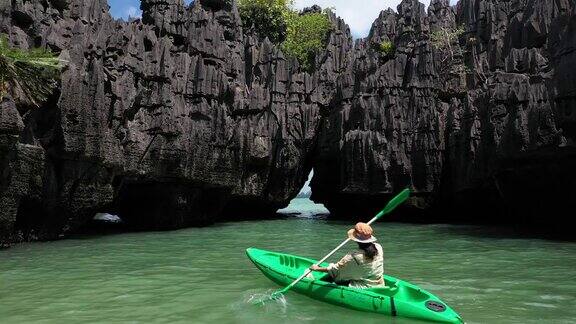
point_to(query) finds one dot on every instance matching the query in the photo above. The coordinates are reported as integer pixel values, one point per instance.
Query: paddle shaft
(308, 271)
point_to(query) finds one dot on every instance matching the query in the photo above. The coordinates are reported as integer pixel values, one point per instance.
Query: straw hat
(361, 233)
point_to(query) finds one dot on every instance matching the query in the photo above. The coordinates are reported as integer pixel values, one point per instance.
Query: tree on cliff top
(268, 18)
(306, 34)
(300, 35)
(32, 73)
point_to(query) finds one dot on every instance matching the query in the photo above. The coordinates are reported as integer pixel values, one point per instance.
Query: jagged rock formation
(490, 141)
(182, 117)
(21, 166)
(167, 120)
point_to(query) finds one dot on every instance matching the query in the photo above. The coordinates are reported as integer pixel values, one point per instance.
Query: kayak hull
(398, 298)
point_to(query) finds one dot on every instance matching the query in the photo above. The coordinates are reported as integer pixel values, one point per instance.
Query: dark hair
(369, 249)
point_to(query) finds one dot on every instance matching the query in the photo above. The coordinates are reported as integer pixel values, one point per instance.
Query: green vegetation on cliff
(449, 51)
(267, 18)
(305, 36)
(446, 39)
(300, 35)
(387, 48)
(32, 73)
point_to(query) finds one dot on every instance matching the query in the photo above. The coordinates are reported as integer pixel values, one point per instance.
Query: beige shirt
(359, 270)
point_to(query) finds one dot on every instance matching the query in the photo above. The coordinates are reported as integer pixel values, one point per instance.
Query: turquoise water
(304, 207)
(201, 275)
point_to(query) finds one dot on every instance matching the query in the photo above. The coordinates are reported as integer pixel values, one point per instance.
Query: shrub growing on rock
(386, 48)
(32, 72)
(448, 50)
(300, 35)
(446, 39)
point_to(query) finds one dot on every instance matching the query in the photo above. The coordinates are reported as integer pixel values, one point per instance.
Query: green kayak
(398, 298)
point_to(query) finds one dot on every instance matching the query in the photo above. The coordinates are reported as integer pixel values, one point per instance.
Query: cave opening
(302, 205)
(101, 220)
(29, 220)
(105, 222)
(159, 206)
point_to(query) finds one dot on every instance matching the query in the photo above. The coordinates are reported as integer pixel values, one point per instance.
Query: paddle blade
(392, 204)
(280, 293)
(266, 298)
(263, 299)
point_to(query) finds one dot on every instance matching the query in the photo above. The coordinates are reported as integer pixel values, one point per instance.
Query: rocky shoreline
(183, 119)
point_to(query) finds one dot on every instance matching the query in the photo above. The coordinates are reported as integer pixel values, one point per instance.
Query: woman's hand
(317, 268)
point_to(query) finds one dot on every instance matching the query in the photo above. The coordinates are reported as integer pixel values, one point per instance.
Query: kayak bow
(398, 298)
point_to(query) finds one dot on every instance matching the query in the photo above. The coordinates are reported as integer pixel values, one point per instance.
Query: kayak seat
(386, 291)
(326, 278)
(383, 290)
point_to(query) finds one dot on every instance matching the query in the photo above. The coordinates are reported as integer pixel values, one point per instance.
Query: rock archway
(187, 107)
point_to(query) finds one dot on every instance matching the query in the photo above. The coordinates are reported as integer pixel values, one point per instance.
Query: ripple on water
(554, 297)
(541, 305)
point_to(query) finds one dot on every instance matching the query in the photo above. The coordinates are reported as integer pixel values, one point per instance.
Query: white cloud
(358, 14)
(133, 12)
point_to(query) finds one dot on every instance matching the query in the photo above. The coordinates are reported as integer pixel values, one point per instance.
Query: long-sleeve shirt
(357, 269)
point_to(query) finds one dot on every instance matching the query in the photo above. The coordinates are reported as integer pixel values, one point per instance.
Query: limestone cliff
(484, 134)
(166, 120)
(182, 118)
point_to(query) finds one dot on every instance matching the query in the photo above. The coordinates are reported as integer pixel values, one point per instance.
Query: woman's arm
(319, 269)
(333, 267)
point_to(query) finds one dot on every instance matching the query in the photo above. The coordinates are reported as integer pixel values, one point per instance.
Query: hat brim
(351, 236)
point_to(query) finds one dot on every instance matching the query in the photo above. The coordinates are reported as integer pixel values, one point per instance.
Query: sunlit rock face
(181, 105)
(182, 118)
(492, 141)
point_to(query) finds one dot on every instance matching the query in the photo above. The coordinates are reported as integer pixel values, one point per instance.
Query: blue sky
(359, 14)
(126, 8)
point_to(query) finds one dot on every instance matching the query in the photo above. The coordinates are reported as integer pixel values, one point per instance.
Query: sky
(306, 187)
(358, 14)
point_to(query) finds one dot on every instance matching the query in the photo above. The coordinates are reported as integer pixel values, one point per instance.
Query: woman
(363, 268)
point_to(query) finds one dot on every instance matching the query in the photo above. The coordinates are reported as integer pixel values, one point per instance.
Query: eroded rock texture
(182, 117)
(481, 136)
(167, 120)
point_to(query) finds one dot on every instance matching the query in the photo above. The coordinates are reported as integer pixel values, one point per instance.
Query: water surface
(304, 207)
(202, 275)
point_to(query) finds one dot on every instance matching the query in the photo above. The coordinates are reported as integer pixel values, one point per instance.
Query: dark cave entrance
(29, 220)
(105, 221)
(160, 206)
(168, 205)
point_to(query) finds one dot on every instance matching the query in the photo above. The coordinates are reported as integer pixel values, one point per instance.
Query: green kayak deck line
(398, 298)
